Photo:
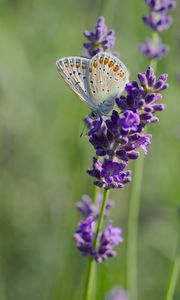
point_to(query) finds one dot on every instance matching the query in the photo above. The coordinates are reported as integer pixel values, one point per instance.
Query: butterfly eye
(93, 115)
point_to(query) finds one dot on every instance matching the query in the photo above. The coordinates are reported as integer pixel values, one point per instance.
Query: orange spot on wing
(111, 64)
(116, 68)
(106, 60)
(121, 75)
(95, 63)
(101, 60)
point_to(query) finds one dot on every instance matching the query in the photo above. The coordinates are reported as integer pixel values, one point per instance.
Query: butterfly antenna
(83, 129)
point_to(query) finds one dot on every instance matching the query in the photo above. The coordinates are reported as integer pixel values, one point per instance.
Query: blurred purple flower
(117, 294)
(84, 236)
(88, 208)
(157, 19)
(107, 240)
(101, 39)
(162, 6)
(153, 50)
(111, 237)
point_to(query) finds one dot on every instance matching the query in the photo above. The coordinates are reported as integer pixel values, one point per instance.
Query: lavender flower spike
(100, 39)
(143, 98)
(107, 240)
(153, 50)
(157, 19)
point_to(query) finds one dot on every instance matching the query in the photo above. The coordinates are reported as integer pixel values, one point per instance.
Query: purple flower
(143, 99)
(130, 121)
(153, 50)
(88, 208)
(118, 137)
(157, 22)
(162, 6)
(109, 174)
(84, 236)
(109, 238)
(117, 294)
(101, 39)
(157, 19)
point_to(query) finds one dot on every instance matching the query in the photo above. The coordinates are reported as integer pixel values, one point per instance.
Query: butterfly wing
(74, 71)
(97, 81)
(107, 79)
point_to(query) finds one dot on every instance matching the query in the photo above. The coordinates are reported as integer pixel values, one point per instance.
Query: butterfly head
(94, 115)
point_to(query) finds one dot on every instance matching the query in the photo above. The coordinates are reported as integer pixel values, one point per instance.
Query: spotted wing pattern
(107, 77)
(97, 81)
(74, 71)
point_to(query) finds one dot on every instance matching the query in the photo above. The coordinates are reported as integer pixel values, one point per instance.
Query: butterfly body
(97, 81)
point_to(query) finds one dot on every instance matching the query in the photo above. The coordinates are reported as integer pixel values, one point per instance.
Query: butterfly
(97, 81)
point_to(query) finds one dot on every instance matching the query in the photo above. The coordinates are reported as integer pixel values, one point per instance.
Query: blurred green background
(43, 161)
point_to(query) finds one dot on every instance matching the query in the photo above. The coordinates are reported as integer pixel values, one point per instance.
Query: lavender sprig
(92, 242)
(158, 21)
(116, 139)
(153, 50)
(101, 39)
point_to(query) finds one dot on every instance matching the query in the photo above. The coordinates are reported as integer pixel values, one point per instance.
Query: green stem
(101, 217)
(155, 39)
(95, 194)
(174, 274)
(132, 232)
(90, 282)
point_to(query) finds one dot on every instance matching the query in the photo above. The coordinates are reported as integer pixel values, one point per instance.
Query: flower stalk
(89, 292)
(175, 269)
(132, 231)
(173, 278)
(90, 283)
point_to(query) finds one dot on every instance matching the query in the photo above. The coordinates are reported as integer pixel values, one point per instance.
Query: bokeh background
(43, 161)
